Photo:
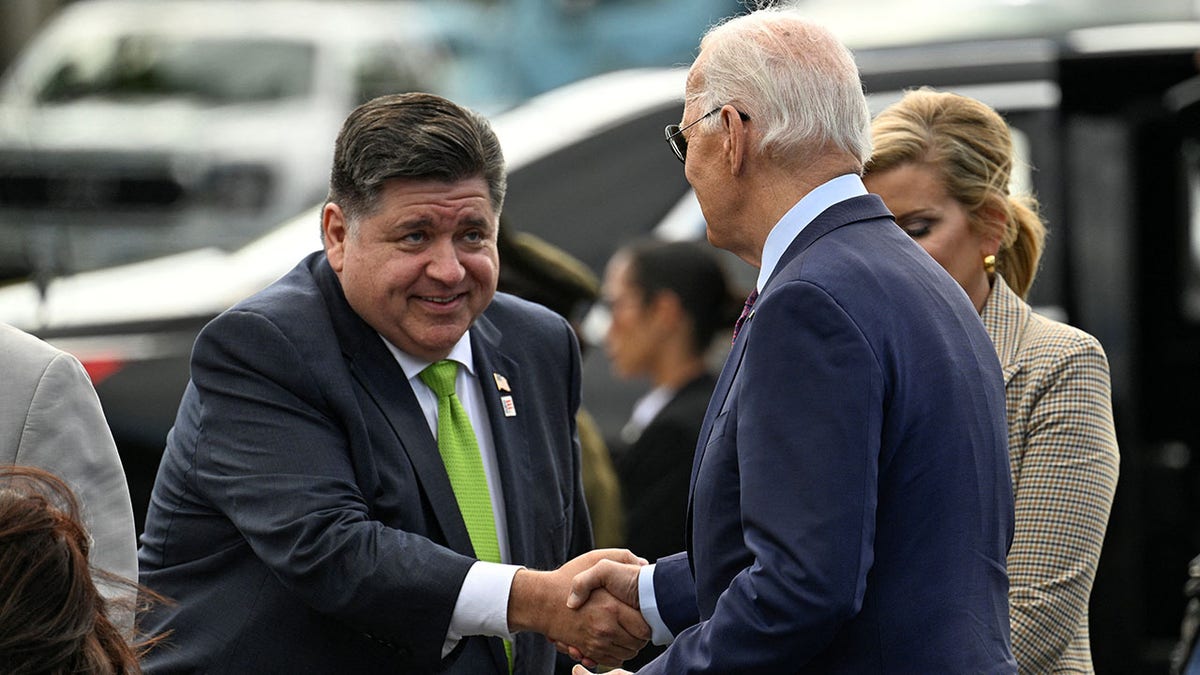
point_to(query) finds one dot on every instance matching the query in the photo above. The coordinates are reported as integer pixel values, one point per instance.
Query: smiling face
(420, 267)
(915, 194)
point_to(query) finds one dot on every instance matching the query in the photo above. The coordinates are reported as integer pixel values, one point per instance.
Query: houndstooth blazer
(1063, 454)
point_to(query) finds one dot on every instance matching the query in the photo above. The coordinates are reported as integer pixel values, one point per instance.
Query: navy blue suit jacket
(851, 505)
(302, 519)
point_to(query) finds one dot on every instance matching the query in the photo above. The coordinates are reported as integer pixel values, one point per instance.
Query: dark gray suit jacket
(302, 519)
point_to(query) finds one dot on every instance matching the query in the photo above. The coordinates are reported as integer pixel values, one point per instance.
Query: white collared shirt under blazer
(1064, 459)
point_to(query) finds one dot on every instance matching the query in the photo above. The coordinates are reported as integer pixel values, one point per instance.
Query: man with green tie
(377, 454)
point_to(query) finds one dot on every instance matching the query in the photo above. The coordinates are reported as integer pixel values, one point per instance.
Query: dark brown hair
(693, 273)
(413, 135)
(53, 618)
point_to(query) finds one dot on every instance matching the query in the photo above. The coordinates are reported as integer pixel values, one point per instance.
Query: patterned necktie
(746, 309)
(460, 453)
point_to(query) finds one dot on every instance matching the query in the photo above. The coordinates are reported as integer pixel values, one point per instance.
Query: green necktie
(460, 453)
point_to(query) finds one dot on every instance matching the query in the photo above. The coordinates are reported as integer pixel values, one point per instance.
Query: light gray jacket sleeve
(50, 417)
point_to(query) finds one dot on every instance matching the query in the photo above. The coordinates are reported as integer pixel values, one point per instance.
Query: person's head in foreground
(53, 618)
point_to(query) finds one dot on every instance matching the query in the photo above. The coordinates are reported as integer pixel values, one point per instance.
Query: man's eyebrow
(414, 223)
(478, 222)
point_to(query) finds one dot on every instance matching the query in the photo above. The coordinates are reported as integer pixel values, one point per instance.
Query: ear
(992, 222)
(334, 232)
(736, 141)
(666, 306)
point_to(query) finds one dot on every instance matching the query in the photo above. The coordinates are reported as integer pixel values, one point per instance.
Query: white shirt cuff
(659, 633)
(482, 605)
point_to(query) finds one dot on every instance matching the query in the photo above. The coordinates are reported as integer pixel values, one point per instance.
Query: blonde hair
(971, 147)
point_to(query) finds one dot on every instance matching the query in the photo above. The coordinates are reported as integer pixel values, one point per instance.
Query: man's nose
(444, 264)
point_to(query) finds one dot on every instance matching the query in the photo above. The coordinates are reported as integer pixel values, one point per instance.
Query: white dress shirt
(645, 410)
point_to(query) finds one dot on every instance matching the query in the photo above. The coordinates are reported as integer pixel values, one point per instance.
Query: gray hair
(793, 78)
(415, 135)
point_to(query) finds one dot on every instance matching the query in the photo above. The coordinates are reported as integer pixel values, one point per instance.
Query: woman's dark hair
(53, 619)
(694, 274)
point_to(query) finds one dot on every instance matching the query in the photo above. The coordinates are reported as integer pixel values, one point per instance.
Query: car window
(211, 71)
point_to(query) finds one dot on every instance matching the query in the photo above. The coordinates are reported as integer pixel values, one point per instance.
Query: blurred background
(161, 159)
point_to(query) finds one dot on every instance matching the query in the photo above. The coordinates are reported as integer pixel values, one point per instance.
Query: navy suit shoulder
(302, 520)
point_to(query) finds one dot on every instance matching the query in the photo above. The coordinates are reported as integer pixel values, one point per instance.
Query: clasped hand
(599, 622)
(611, 577)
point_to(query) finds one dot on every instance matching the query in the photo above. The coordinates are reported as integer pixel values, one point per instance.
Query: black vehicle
(1109, 120)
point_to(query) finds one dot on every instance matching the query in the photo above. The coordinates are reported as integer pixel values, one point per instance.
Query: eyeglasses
(675, 134)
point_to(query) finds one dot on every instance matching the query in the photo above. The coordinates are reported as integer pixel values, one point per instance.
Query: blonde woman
(942, 164)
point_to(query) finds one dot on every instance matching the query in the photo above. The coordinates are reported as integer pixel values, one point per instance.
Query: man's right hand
(607, 578)
(605, 630)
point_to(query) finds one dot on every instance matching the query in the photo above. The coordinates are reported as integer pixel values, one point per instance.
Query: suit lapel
(508, 437)
(715, 404)
(508, 440)
(1005, 317)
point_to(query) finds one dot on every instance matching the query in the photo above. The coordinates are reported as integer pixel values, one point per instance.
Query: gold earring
(989, 264)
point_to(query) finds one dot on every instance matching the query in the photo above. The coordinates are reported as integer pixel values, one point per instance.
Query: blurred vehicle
(1108, 118)
(528, 47)
(135, 128)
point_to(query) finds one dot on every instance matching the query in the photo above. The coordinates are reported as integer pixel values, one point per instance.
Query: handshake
(588, 607)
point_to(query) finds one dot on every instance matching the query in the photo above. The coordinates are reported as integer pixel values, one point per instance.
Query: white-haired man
(850, 502)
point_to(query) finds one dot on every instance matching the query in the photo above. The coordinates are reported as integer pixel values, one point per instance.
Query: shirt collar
(461, 353)
(799, 216)
(644, 412)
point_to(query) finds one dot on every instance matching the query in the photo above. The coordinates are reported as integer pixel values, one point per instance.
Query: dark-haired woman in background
(668, 302)
(942, 164)
(53, 620)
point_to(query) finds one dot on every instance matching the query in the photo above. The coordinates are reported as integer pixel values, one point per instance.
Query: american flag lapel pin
(501, 382)
(506, 402)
